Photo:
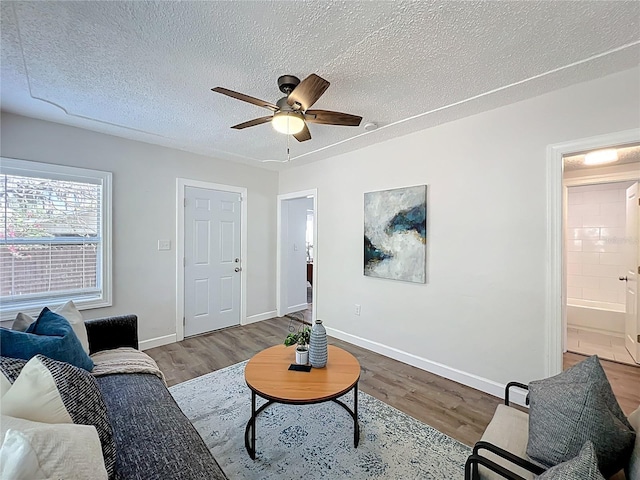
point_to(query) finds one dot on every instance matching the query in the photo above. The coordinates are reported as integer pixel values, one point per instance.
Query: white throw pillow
(68, 311)
(35, 396)
(5, 384)
(50, 451)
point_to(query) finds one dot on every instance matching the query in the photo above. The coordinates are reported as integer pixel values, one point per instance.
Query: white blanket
(124, 360)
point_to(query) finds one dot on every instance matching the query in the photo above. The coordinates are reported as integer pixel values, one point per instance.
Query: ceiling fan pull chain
(288, 153)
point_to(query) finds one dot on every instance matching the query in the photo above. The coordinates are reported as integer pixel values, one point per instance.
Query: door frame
(280, 257)
(181, 183)
(555, 313)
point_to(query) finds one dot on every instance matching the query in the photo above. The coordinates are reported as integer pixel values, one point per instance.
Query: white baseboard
(603, 331)
(296, 308)
(260, 317)
(469, 379)
(157, 342)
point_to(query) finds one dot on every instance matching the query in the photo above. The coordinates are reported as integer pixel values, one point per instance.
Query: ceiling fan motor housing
(286, 83)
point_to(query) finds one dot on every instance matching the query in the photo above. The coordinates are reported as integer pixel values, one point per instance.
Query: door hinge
(185, 202)
(184, 321)
(184, 261)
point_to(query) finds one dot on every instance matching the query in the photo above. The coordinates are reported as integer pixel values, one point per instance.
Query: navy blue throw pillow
(50, 335)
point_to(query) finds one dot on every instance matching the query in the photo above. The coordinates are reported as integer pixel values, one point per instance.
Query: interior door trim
(181, 183)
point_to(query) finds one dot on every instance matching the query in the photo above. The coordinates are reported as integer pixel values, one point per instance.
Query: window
(55, 236)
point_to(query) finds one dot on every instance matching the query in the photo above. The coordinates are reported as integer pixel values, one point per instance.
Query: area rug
(314, 441)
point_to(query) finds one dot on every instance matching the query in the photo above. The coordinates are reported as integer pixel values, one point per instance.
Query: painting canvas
(395, 234)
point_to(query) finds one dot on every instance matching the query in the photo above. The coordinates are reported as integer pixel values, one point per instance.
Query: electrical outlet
(357, 309)
(164, 244)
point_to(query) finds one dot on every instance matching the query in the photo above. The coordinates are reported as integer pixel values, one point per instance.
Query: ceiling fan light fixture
(288, 123)
(601, 157)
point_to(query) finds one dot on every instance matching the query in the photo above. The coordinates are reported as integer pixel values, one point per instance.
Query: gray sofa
(153, 438)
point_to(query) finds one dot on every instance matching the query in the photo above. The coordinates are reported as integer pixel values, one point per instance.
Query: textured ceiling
(626, 155)
(144, 70)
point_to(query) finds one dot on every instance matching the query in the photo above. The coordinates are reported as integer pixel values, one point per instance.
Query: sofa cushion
(582, 467)
(50, 335)
(154, 439)
(573, 407)
(508, 429)
(41, 450)
(56, 392)
(69, 312)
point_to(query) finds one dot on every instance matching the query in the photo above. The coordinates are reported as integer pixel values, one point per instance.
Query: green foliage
(301, 337)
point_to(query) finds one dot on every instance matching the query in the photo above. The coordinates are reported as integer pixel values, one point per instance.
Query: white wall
(295, 253)
(481, 312)
(144, 211)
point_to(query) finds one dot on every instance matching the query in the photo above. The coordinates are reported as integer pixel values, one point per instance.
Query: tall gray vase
(318, 345)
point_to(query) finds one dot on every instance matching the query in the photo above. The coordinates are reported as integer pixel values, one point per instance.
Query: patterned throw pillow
(573, 407)
(57, 392)
(11, 367)
(582, 467)
(50, 335)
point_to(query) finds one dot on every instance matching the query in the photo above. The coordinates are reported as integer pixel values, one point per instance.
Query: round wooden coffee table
(268, 376)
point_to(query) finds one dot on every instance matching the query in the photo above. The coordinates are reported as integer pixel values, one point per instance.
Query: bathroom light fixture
(601, 157)
(288, 123)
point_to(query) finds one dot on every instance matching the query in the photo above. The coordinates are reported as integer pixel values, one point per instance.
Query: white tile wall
(594, 235)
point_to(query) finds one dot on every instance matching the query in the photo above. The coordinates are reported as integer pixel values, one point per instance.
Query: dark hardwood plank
(459, 411)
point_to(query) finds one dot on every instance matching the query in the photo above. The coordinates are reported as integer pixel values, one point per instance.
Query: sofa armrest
(471, 468)
(112, 332)
(501, 452)
(517, 385)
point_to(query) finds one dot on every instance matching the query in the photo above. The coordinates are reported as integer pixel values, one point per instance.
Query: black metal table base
(250, 430)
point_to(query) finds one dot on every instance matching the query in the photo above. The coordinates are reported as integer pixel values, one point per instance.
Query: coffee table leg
(356, 425)
(251, 425)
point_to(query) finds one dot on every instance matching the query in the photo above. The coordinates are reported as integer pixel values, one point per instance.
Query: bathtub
(600, 316)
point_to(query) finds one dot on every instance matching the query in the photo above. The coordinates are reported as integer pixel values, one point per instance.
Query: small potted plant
(301, 338)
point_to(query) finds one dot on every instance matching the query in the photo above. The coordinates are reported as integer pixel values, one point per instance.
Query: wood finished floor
(459, 411)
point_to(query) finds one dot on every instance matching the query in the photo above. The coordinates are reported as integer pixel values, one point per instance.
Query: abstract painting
(395, 234)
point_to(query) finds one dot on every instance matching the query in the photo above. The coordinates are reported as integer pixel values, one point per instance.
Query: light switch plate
(164, 244)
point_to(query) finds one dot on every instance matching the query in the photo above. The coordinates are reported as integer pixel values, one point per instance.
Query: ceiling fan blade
(308, 91)
(252, 123)
(245, 98)
(304, 134)
(327, 117)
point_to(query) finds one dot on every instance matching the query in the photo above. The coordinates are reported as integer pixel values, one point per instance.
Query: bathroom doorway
(601, 253)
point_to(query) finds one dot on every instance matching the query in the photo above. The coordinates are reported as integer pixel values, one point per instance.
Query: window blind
(50, 238)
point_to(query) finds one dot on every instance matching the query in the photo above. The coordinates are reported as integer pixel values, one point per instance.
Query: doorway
(297, 255)
(210, 253)
(555, 309)
(601, 255)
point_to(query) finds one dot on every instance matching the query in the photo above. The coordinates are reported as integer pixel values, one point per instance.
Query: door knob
(237, 269)
(237, 260)
(623, 279)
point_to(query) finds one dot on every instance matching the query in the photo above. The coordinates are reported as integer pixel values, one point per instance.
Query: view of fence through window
(49, 237)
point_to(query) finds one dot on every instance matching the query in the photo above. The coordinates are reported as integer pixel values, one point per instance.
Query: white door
(632, 329)
(212, 265)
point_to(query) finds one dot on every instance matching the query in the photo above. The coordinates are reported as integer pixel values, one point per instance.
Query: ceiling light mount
(286, 83)
(601, 157)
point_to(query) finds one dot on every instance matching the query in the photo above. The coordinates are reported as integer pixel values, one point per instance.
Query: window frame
(28, 168)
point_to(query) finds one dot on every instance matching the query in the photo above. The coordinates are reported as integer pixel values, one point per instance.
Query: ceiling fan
(291, 113)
